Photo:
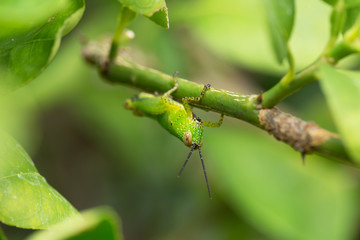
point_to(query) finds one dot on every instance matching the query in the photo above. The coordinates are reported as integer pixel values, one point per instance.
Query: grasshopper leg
(176, 85)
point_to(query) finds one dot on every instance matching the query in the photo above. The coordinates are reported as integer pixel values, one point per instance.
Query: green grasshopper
(176, 118)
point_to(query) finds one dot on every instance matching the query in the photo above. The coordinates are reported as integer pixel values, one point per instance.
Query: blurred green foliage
(27, 200)
(31, 40)
(2, 236)
(233, 29)
(94, 152)
(344, 108)
(97, 223)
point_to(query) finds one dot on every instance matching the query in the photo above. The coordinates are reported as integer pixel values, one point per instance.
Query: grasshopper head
(189, 141)
(129, 104)
(194, 134)
(136, 103)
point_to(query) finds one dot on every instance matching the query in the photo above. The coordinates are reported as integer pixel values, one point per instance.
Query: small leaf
(27, 200)
(343, 15)
(330, 2)
(351, 17)
(144, 7)
(99, 223)
(280, 17)
(342, 92)
(26, 53)
(155, 10)
(161, 17)
(266, 183)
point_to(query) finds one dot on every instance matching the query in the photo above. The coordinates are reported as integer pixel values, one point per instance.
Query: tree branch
(303, 136)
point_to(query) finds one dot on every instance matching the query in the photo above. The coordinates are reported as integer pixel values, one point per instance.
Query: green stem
(335, 148)
(282, 90)
(232, 104)
(288, 78)
(125, 17)
(244, 107)
(341, 50)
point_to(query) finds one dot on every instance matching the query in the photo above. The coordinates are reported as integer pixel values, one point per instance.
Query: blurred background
(94, 152)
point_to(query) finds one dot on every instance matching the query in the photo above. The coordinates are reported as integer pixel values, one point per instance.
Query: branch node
(301, 135)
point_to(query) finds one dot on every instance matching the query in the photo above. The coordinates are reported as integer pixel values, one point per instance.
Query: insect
(176, 118)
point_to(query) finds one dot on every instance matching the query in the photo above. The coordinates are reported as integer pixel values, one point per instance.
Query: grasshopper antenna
(203, 165)
(187, 159)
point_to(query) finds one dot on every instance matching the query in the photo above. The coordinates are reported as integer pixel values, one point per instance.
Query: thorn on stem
(259, 98)
(303, 157)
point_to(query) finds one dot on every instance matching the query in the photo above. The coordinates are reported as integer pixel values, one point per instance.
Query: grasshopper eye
(187, 139)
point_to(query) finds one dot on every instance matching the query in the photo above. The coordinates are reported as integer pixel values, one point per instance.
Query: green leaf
(155, 10)
(26, 53)
(161, 17)
(351, 17)
(342, 92)
(144, 7)
(99, 223)
(27, 200)
(18, 16)
(343, 16)
(280, 18)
